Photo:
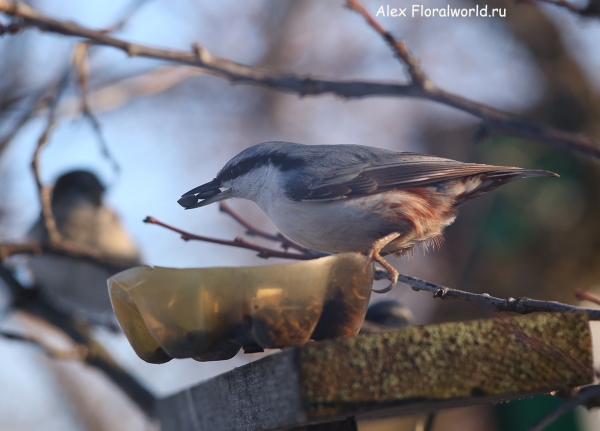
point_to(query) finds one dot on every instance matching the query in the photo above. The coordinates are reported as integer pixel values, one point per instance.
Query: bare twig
(126, 15)
(81, 63)
(91, 352)
(425, 423)
(79, 353)
(417, 76)
(584, 395)
(14, 27)
(39, 99)
(56, 244)
(263, 252)
(64, 247)
(45, 191)
(495, 120)
(36, 104)
(518, 305)
(286, 243)
(587, 296)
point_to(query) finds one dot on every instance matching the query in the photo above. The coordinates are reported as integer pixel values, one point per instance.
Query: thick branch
(495, 120)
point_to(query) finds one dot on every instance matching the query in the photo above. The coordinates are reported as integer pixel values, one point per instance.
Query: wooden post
(404, 372)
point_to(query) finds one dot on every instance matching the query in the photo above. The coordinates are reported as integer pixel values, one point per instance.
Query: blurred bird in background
(74, 285)
(387, 315)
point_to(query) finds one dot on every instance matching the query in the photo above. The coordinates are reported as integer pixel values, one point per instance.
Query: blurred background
(172, 128)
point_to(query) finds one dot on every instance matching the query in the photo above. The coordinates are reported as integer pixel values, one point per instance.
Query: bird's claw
(374, 254)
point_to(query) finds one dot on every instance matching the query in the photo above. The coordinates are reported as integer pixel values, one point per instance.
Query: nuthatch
(353, 198)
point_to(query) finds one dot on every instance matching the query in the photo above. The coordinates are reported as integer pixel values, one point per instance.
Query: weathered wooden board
(401, 372)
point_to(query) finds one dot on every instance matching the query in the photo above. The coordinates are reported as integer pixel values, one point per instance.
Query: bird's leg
(374, 254)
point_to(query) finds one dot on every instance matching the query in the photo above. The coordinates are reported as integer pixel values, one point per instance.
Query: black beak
(203, 195)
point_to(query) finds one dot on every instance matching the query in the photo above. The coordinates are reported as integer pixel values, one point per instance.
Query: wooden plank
(407, 371)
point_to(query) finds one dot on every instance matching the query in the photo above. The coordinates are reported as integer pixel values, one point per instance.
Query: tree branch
(38, 101)
(286, 243)
(45, 191)
(495, 120)
(587, 296)
(518, 305)
(65, 247)
(263, 252)
(79, 353)
(417, 76)
(14, 27)
(82, 66)
(33, 302)
(584, 395)
(128, 13)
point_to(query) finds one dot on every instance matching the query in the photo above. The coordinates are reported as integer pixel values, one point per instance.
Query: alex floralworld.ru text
(418, 10)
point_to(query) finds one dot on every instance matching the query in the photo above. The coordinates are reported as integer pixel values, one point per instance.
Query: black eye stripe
(280, 161)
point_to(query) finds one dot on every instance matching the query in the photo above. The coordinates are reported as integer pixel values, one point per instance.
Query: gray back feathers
(329, 172)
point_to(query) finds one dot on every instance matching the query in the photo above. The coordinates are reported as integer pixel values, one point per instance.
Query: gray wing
(406, 170)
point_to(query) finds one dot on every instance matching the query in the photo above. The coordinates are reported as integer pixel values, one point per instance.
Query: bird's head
(244, 176)
(80, 184)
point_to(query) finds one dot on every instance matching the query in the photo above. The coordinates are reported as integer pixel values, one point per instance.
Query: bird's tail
(476, 185)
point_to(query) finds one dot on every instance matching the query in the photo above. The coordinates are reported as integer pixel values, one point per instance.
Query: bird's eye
(234, 171)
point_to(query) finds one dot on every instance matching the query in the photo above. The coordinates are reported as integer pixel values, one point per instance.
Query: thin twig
(286, 243)
(585, 395)
(587, 296)
(495, 120)
(81, 63)
(126, 15)
(65, 247)
(36, 305)
(14, 27)
(45, 191)
(425, 423)
(417, 76)
(37, 102)
(263, 252)
(79, 353)
(518, 305)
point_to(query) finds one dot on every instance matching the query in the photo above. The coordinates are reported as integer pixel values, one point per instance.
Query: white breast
(351, 224)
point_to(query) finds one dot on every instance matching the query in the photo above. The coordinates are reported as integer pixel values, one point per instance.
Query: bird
(387, 315)
(74, 285)
(354, 198)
